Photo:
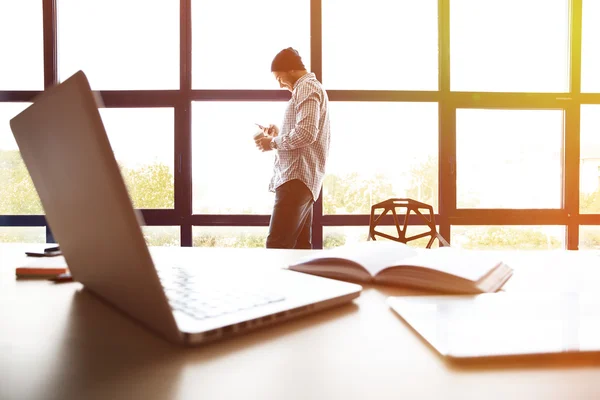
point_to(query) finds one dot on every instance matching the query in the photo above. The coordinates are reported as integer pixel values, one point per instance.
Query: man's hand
(272, 130)
(263, 143)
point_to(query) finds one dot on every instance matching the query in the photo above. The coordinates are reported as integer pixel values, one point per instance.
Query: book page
(373, 256)
(467, 264)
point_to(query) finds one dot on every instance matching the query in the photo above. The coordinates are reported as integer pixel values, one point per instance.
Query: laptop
(68, 155)
(504, 324)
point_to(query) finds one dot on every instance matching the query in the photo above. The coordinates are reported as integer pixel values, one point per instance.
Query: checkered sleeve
(304, 133)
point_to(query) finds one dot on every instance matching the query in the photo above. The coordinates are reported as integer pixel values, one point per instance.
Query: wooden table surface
(58, 341)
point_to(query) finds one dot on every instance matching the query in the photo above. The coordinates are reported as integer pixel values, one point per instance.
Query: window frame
(447, 100)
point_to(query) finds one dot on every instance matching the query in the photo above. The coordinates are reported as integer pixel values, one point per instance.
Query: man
(302, 148)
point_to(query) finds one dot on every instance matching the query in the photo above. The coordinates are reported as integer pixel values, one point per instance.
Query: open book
(443, 269)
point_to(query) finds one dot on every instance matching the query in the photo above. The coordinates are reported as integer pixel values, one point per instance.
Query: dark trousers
(291, 220)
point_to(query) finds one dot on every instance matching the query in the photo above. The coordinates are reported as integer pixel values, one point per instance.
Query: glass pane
(230, 175)
(28, 234)
(143, 142)
(589, 237)
(385, 45)
(379, 151)
(17, 193)
(162, 235)
(234, 41)
(335, 236)
(509, 45)
(509, 158)
(229, 236)
(589, 163)
(590, 47)
(508, 237)
(120, 44)
(22, 45)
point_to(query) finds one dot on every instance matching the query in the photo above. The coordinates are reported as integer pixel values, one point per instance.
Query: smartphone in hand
(268, 130)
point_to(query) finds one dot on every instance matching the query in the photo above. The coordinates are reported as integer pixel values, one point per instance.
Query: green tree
(353, 193)
(590, 202)
(334, 240)
(17, 193)
(589, 239)
(158, 236)
(424, 182)
(251, 240)
(506, 237)
(205, 240)
(150, 186)
(243, 240)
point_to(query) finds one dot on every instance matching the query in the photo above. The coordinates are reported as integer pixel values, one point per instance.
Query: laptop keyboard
(188, 294)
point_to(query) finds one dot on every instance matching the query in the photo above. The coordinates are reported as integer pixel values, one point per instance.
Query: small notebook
(443, 269)
(41, 268)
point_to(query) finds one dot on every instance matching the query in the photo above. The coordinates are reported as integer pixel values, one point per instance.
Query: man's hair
(287, 60)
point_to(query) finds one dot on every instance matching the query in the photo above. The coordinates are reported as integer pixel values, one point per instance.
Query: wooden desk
(57, 341)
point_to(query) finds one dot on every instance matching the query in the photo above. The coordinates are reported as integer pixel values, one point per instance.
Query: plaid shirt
(303, 142)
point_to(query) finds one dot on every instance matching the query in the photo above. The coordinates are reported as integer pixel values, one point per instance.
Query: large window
(21, 45)
(387, 45)
(379, 151)
(17, 193)
(230, 175)
(590, 47)
(589, 165)
(509, 45)
(143, 142)
(120, 44)
(235, 41)
(509, 158)
(465, 105)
